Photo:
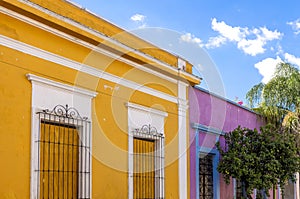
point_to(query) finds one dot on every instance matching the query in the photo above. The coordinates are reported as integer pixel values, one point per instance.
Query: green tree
(261, 160)
(279, 97)
(279, 100)
(258, 159)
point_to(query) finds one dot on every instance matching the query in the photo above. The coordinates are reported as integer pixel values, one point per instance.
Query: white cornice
(146, 109)
(83, 43)
(36, 52)
(102, 36)
(73, 89)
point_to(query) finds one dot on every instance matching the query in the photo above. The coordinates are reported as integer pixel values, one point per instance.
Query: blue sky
(244, 39)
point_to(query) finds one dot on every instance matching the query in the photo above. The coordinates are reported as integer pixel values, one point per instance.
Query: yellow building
(88, 110)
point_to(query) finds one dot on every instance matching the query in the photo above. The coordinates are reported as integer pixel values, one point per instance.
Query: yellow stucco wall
(15, 99)
(109, 125)
(109, 113)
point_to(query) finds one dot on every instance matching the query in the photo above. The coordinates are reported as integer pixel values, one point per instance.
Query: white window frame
(46, 94)
(137, 117)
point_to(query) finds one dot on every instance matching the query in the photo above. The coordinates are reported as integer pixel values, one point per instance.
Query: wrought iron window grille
(146, 131)
(65, 111)
(148, 161)
(206, 189)
(64, 159)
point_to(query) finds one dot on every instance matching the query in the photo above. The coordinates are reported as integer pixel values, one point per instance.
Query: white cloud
(252, 46)
(256, 46)
(269, 35)
(267, 68)
(243, 37)
(292, 59)
(189, 38)
(214, 42)
(229, 32)
(295, 26)
(139, 19)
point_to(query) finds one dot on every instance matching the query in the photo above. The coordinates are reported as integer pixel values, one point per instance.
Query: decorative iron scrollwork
(65, 111)
(147, 129)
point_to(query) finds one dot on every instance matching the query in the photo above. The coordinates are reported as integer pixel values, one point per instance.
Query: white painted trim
(181, 82)
(31, 50)
(63, 93)
(34, 163)
(102, 36)
(144, 113)
(83, 43)
(130, 163)
(34, 78)
(182, 140)
(146, 109)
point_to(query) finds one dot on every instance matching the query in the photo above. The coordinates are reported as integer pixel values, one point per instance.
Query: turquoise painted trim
(234, 188)
(201, 127)
(216, 175)
(205, 150)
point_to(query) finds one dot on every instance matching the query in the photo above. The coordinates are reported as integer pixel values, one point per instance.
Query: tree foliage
(258, 159)
(279, 97)
(274, 152)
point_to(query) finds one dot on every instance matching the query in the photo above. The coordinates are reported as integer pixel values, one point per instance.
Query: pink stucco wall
(217, 113)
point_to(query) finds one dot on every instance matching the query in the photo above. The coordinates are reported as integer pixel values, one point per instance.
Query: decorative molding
(103, 36)
(182, 83)
(182, 98)
(207, 129)
(25, 48)
(92, 47)
(181, 64)
(141, 115)
(146, 109)
(182, 106)
(41, 80)
(46, 94)
(183, 102)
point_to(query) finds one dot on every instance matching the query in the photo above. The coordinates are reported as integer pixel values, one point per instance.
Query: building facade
(211, 117)
(89, 110)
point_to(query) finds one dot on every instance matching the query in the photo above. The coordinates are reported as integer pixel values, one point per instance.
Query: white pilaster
(182, 136)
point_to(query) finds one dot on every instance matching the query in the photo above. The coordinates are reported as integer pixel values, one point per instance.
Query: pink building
(210, 117)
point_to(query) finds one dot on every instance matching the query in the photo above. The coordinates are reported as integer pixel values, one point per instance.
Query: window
(148, 161)
(206, 188)
(144, 174)
(64, 154)
(60, 135)
(145, 152)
